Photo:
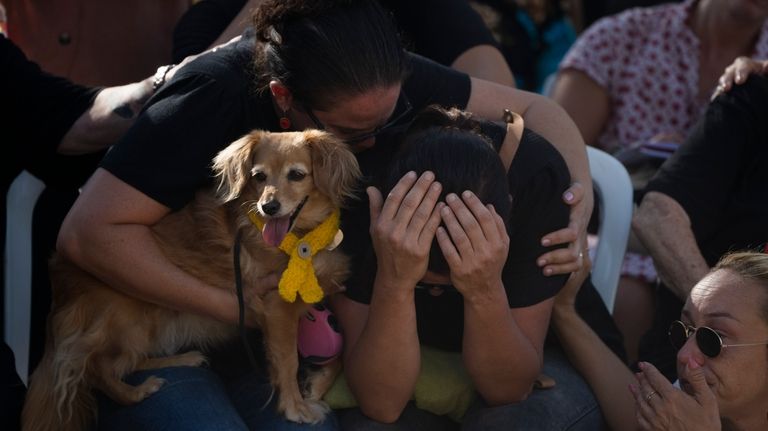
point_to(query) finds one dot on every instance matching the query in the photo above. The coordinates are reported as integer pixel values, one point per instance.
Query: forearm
(664, 228)
(605, 373)
(386, 356)
(502, 362)
(128, 258)
(112, 113)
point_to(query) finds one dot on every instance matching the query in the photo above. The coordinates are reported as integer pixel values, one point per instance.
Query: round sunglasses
(707, 340)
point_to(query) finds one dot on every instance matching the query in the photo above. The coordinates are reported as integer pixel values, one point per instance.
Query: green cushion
(443, 386)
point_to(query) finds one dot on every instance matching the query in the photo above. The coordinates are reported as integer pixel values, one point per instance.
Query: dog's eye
(294, 175)
(260, 177)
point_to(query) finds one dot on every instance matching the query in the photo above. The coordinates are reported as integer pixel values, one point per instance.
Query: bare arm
(548, 119)
(112, 113)
(663, 226)
(485, 62)
(381, 350)
(605, 373)
(503, 348)
(107, 232)
(238, 24)
(584, 100)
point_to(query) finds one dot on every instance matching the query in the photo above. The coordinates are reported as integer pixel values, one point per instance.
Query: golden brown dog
(97, 335)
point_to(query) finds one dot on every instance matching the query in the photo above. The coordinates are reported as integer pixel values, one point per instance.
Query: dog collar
(299, 277)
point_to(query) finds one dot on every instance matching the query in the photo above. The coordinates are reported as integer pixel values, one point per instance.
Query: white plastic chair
(20, 204)
(614, 193)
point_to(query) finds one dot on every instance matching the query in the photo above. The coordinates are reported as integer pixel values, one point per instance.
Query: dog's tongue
(275, 230)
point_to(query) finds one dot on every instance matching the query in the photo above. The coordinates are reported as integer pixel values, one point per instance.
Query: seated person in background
(635, 84)
(455, 243)
(722, 359)
(447, 31)
(708, 198)
(44, 118)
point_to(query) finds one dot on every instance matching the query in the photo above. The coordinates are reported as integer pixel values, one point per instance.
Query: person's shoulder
(231, 64)
(635, 22)
(536, 157)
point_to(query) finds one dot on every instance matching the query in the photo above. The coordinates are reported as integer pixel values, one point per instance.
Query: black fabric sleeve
(202, 24)
(37, 106)
(537, 209)
(431, 83)
(167, 153)
(703, 173)
(440, 29)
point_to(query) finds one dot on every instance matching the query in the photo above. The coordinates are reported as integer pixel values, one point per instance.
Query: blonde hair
(751, 266)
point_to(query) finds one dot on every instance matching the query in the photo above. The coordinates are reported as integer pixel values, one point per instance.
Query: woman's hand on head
(403, 226)
(661, 406)
(738, 72)
(474, 242)
(571, 258)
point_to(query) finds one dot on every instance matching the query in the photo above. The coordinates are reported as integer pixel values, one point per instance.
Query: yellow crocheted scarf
(299, 277)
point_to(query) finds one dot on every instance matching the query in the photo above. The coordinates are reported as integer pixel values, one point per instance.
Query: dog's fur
(97, 335)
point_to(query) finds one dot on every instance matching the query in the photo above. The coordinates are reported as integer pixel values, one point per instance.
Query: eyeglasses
(403, 106)
(707, 340)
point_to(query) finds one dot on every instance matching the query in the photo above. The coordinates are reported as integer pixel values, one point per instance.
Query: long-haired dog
(97, 335)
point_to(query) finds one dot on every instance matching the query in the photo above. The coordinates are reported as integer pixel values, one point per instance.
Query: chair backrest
(20, 205)
(614, 193)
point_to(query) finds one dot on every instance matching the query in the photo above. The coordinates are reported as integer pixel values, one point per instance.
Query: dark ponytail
(325, 50)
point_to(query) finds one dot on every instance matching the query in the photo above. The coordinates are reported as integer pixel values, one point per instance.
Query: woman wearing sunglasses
(722, 359)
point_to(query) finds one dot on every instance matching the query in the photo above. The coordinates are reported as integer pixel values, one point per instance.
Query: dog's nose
(271, 208)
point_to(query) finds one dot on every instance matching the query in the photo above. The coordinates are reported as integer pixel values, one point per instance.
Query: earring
(285, 122)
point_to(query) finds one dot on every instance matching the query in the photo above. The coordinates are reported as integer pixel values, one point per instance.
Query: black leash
(241, 302)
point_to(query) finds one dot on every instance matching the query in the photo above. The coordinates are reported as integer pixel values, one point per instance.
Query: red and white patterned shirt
(647, 60)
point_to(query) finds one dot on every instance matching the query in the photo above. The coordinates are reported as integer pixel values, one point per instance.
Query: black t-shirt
(36, 112)
(719, 175)
(537, 177)
(212, 102)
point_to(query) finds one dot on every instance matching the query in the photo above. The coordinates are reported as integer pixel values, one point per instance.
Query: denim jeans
(569, 406)
(196, 398)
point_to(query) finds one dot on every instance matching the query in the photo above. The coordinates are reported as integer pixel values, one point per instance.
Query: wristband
(160, 75)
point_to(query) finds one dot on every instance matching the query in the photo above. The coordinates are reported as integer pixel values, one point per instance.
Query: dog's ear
(334, 167)
(232, 166)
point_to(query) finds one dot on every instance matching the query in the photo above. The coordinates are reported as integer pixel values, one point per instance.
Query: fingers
(375, 201)
(563, 236)
(456, 228)
(397, 195)
(574, 194)
(696, 378)
(561, 261)
(655, 380)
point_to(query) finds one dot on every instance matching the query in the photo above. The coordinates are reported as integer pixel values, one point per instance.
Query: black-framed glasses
(707, 340)
(402, 111)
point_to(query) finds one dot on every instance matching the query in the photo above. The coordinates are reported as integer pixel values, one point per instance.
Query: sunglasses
(403, 108)
(707, 340)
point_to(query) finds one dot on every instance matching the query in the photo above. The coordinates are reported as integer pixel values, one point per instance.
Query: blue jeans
(569, 406)
(195, 398)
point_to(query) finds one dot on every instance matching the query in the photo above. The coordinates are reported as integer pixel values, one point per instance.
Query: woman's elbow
(384, 412)
(69, 241)
(503, 396)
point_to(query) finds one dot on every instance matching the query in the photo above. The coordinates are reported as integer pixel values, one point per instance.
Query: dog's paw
(306, 411)
(193, 358)
(149, 387)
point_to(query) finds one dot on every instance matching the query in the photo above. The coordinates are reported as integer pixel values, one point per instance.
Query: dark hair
(449, 143)
(325, 49)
